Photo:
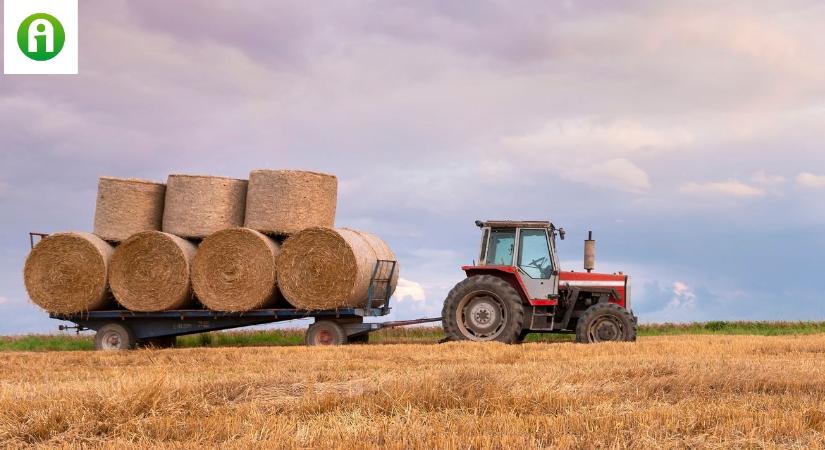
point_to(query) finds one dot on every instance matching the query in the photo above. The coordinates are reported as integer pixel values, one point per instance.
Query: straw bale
(126, 206)
(234, 270)
(384, 252)
(150, 272)
(197, 206)
(324, 268)
(282, 202)
(67, 273)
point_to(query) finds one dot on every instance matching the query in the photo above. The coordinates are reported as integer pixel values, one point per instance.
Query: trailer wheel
(605, 322)
(483, 308)
(326, 332)
(114, 336)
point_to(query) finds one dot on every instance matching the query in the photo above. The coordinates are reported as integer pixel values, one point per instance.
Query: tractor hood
(618, 284)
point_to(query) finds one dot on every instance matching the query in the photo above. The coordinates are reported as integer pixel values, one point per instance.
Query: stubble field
(663, 392)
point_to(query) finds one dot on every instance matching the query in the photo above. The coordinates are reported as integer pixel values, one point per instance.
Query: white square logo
(40, 36)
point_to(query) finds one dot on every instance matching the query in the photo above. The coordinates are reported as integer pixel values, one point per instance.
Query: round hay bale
(283, 202)
(197, 206)
(234, 270)
(324, 268)
(127, 206)
(66, 273)
(383, 252)
(150, 272)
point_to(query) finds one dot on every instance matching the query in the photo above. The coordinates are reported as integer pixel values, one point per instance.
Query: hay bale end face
(382, 252)
(127, 206)
(324, 268)
(235, 270)
(67, 273)
(197, 206)
(282, 202)
(150, 272)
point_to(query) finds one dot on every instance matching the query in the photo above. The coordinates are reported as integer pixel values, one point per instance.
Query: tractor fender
(506, 273)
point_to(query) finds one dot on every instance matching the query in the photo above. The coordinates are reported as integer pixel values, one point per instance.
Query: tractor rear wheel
(483, 308)
(605, 322)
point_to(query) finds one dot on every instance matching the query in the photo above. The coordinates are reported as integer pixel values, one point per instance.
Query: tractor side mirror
(562, 233)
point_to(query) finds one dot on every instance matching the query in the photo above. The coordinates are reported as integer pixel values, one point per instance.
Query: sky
(688, 135)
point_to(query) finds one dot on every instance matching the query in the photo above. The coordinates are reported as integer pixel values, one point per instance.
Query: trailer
(120, 329)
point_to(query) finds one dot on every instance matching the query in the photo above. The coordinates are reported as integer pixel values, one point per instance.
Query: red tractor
(518, 288)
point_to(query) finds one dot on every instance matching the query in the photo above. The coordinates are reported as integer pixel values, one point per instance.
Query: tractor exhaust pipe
(589, 253)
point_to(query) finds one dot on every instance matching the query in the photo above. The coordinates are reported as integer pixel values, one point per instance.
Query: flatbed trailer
(123, 329)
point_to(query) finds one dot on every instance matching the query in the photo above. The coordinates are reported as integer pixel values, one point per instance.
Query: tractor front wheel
(483, 308)
(605, 322)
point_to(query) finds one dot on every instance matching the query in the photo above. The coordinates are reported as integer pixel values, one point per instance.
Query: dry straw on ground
(127, 206)
(67, 273)
(234, 270)
(322, 268)
(150, 272)
(382, 252)
(717, 392)
(197, 206)
(283, 202)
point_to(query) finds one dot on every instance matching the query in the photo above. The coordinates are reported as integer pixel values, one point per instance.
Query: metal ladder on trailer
(379, 291)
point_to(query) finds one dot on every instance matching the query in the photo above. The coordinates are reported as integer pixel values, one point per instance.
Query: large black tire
(605, 322)
(326, 332)
(114, 336)
(483, 308)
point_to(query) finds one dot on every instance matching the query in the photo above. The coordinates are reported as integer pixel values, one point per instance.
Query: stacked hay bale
(240, 263)
(234, 270)
(197, 206)
(324, 268)
(126, 206)
(68, 273)
(150, 272)
(282, 202)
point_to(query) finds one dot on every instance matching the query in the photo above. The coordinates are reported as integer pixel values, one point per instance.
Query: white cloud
(3, 300)
(730, 188)
(763, 178)
(618, 173)
(411, 290)
(683, 297)
(809, 180)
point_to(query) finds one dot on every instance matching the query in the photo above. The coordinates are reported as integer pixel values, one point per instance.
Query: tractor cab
(526, 248)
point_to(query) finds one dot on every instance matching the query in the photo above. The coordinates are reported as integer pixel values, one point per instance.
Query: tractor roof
(514, 223)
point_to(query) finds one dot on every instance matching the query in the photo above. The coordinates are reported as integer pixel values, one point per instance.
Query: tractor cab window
(500, 250)
(534, 254)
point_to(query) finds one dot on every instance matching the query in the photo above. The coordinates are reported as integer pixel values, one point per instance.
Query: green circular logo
(41, 37)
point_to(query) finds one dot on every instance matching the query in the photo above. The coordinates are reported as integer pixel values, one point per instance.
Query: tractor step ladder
(549, 313)
(379, 291)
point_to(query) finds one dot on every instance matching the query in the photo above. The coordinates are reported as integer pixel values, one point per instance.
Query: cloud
(809, 180)
(617, 173)
(683, 297)
(3, 300)
(763, 178)
(409, 290)
(726, 188)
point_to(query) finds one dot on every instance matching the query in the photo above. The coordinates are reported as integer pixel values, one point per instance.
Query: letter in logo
(41, 37)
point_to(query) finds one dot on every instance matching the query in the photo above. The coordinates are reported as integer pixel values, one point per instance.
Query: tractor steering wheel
(538, 262)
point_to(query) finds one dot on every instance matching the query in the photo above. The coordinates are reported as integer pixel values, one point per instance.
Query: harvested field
(661, 392)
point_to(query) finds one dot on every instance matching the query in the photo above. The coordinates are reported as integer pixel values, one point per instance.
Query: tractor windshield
(502, 242)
